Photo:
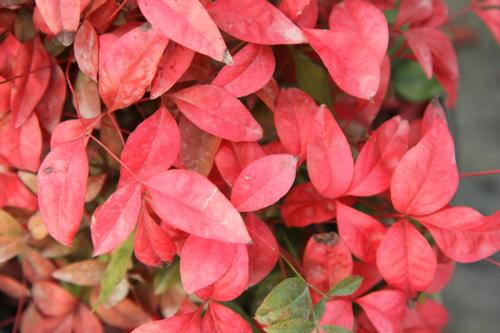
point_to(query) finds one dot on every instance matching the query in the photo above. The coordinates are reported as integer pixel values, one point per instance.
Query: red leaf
(327, 261)
(204, 261)
(31, 67)
(385, 309)
(152, 245)
(263, 182)
(234, 282)
(329, 158)
(294, 8)
(339, 313)
(71, 130)
(370, 275)
(463, 234)
(51, 299)
(49, 108)
(411, 11)
(263, 253)
(185, 323)
(255, 21)
(488, 11)
(379, 157)
(173, 64)
(436, 54)
(220, 319)
(21, 146)
(86, 50)
(361, 232)
(128, 65)
(293, 118)
(304, 206)
(198, 148)
(405, 259)
(4, 97)
(253, 67)
(444, 273)
(217, 112)
(84, 321)
(233, 157)
(113, 221)
(14, 193)
(426, 178)
(62, 18)
(434, 111)
(349, 50)
(62, 180)
(189, 202)
(12, 287)
(187, 23)
(152, 147)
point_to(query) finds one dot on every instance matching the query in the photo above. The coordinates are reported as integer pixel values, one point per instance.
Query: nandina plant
(231, 166)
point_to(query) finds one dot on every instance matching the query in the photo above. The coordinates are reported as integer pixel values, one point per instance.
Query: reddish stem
(480, 173)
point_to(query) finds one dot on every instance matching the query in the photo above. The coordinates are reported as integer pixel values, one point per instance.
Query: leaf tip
(226, 58)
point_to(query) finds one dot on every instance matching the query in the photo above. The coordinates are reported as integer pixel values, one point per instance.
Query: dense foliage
(231, 165)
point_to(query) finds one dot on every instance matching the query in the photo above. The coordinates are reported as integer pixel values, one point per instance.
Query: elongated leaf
(288, 300)
(361, 232)
(347, 286)
(488, 11)
(113, 222)
(86, 49)
(329, 158)
(152, 147)
(255, 21)
(253, 67)
(189, 202)
(379, 157)
(62, 179)
(434, 176)
(217, 112)
(82, 273)
(173, 64)
(52, 299)
(62, 18)
(187, 23)
(128, 65)
(204, 261)
(87, 96)
(293, 117)
(263, 182)
(115, 271)
(86, 321)
(313, 79)
(49, 108)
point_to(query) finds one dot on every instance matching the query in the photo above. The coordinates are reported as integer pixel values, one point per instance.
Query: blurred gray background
(473, 296)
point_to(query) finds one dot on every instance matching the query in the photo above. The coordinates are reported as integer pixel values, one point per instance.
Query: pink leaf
(253, 67)
(220, 319)
(217, 112)
(49, 108)
(411, 11)
(189, 202)
(204, 261)
(426, 178)
(187, 23)
(293, 117)
(152, 147)
(86, 49)
(263, 253)
(405, 259)
(385, 309)
(361, 232)
(52, 299)
(185, 323)
(62, 180)
(304, 206)
(327, 261)
(339, 313)
(113, 222)
(255, 21)
(489, 12)
(152, 245)
(379, 157)
(128, 65)
(463, 234)
(263, 182)
(62, 18)
(173, 64)
(329, 158)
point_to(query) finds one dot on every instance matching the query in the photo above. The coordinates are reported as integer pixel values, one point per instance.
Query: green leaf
(313, 79)
(347, 286)
(166, 277)
(292, 326)
(116, 269)
(335, 329)
(319, 309)
(288, 300)
(412, 84)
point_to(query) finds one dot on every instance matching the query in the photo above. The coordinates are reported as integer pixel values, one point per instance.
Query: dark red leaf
(49, 108)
